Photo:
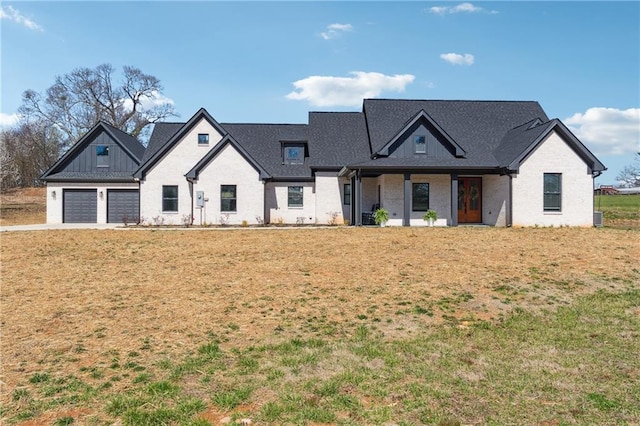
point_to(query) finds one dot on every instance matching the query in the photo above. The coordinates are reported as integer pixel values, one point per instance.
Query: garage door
(80, 206)
(121, 204)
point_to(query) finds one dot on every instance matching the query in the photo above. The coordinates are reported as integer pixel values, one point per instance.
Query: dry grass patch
(21, 206)
(147, 314)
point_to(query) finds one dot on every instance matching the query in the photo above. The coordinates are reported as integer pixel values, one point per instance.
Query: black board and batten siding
(436, 146)
(87, 160)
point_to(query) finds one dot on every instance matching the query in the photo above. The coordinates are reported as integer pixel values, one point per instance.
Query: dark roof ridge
(264, 124)
(448, 100)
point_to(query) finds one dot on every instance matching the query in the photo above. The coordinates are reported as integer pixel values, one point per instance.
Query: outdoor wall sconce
(101, 195)
(53, 194)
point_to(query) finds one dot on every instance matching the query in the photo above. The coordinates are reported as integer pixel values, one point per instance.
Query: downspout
(593, 192)
(264, 202)
(510, 205)
(191, 196)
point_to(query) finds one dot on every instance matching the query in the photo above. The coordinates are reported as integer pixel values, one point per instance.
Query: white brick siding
(229, 167)
(278, 209)
(170, 170)
(553, 155)
(329, 198)
(495, 199)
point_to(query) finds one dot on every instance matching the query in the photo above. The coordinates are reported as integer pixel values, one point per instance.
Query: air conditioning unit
(597, 219)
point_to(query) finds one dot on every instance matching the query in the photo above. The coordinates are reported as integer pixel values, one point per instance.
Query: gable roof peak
(420, 115)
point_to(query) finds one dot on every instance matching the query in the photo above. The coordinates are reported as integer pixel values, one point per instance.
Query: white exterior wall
(553, 155)
(439, 199)
(170, 170)
(392, 198)
(229, 167)
(329, 197)
(277, 197)
(54, 204)
(495, 199)
(370, 192)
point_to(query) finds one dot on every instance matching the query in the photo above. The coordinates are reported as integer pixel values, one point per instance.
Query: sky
(273, 62)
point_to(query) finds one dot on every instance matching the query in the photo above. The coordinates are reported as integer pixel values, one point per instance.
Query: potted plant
(430, 217)
(381, 216)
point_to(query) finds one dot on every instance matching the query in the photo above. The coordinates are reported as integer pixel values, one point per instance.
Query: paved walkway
(119, 226)
(44, 226)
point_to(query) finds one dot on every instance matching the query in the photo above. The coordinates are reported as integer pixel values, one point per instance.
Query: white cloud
(148, 102)
(461, 8)
(8, 120)
(608, 131)
(335, 31)
(8, 12)
(324, 91)
(458, 59)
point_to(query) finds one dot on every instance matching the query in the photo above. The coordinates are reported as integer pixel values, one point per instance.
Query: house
(499, 163)
(606, 190)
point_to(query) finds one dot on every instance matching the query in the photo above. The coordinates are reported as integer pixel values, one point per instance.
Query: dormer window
(203, 139)
(293, 153)
(102, 153)
(420, 143)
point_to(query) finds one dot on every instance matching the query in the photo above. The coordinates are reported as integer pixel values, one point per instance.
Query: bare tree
(81, 98)
(629, 176)
(27, 151)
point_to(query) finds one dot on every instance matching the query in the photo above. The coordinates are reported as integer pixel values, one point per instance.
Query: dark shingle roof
(129, 142)
(161, 134)
(518, 139)
(263, 142)
(477, 126)
(337, 138)
(92, 176)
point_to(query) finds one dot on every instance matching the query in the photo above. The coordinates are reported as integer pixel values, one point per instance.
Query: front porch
(480, 199)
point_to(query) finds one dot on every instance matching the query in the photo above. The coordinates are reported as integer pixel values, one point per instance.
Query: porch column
(406, 219)
(454, 199)
(352, 200)
(358, 199)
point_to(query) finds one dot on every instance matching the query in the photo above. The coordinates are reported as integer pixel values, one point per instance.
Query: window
(420, 197)
(420, 143)
(228, 198)
(295, 196)
(170, 198)
(203, 139)
(347, 193)
(102, 152)
(552, 192)
(293, 154)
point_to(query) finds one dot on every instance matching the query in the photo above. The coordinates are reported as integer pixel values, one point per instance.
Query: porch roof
(440, 165)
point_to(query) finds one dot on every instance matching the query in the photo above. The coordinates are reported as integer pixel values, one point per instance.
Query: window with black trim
(420, 143)
(169, 198)
(228, 198)
(294, 197)
(420, 197)
(203, 139)
(347, 194)
(102, 153)
(293, 153)
(552, 192)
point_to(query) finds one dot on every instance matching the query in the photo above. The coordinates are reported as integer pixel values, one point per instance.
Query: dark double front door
(470, 200)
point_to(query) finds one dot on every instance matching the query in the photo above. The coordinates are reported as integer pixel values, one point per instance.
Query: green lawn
(572, 366)
(619, 207)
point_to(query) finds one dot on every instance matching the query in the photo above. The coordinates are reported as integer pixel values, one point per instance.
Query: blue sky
(275, 61)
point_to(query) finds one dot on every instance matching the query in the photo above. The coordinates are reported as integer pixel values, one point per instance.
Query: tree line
(51, 122)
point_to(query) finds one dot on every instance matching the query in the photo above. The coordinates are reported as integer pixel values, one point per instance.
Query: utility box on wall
(200, 199)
